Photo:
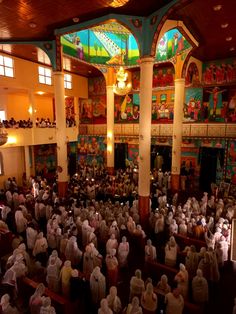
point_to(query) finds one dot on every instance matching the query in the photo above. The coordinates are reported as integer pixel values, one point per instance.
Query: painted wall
(13, 164)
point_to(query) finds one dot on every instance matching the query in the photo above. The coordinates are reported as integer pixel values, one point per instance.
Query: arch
(108, 44)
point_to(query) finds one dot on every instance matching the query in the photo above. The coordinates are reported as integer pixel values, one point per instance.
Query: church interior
(117, 156)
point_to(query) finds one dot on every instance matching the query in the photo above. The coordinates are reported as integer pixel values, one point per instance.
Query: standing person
(36, 300)
(174, 302)
(112, 268)
(97, 285)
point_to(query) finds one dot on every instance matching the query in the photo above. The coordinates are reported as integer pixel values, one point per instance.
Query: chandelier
(121, 87)
(3, 137)
(117, 3)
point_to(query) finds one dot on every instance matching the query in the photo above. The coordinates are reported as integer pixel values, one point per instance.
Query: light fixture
(11, 140)
(121, 87)
(40, 93)
(117, 3)
(229, 38)
(109, 135)
(232, 49)
(217, 7)
(30, 110)
(224, 25)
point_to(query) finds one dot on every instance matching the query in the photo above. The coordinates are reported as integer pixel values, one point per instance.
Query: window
(2, 115)
(45, 76)
(6, 66)
(68, 81)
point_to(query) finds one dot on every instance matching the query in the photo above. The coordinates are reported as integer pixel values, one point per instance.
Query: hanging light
(121, 87)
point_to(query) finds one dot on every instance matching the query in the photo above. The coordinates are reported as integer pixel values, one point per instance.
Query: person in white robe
(46, 307)
(171, 250)
(21, 221)
(36, 300)
(174, 302)
(199, 288)
(31, 236)
(136, 285)
(97, 285)
(111, 243)
(150, 251)
(104, 308)
(182, 280)
(6, 307)
(113, 300)
(53, 274)
(72, 252)
(123, 252)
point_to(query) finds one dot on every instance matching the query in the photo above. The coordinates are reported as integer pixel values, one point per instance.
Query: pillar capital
(180, 81)
(147, 59)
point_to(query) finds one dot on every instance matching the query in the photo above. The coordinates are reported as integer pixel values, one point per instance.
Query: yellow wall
(44, 107)
(13, 164)
(17, 106)
(26, 78)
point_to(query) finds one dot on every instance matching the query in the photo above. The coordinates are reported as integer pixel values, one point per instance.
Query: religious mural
(133, 152)
(107, 44)
(127, 108)
(96, 86)
(231, 162)
(93, 110)
(45, 160)
(193, 108)
(192, 77)
(70, 108)
(91, 149)
(219, 72)
(171, 44)
(162, 77)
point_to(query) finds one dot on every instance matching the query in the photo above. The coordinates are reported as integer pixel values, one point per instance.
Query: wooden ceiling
(24, 20)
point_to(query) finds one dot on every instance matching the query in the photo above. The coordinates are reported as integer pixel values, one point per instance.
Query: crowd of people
(40, 123)
(85, 245)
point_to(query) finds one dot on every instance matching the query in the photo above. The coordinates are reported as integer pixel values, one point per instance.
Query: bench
(61, 304)
(184, 241)
(155, 270)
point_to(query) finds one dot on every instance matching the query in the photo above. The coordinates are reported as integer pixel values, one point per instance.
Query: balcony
(37, 136)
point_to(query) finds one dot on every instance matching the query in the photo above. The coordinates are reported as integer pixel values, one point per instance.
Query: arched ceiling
(29, 20)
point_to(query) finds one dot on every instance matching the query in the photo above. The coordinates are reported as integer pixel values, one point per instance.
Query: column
(146, 73)
(32, 106)
(59, 92)
(76, 106)
(27, 161)
(110, 121)
(177, 133)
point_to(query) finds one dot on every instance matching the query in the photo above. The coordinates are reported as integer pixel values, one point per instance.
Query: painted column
(177, 133)
(145, 120)
(110, 121)
(59, 92)
(27, 161)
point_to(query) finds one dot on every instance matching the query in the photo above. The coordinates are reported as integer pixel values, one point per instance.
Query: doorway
(121, 153)
(211, 167)
(161, 157)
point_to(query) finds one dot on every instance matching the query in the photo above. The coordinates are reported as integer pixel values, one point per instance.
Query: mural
(91, 150)
(170, 45)
(193, 108)
(231, 162)
(162, 77)
(70, 108)
(45, 160)
(97, 86)
(109, 44)
(93, 110)
(133, 152)
(192, 77)
(219, 72)
(127, 108)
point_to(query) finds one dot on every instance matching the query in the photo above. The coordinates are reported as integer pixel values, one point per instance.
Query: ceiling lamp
(224, 25)
(117, 3)
(228, 38)
(121, 87)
